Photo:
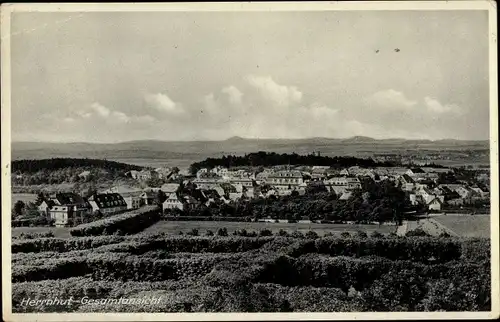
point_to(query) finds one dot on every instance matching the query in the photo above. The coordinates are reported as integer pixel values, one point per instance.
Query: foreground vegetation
(222, 273)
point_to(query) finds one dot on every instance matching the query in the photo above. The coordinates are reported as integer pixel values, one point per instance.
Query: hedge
(61, 244)
(417, 249)
(126, 223)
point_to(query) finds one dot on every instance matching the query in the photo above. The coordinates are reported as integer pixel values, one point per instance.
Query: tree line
(267, 159)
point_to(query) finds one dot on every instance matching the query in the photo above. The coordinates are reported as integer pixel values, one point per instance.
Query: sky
(112, 77)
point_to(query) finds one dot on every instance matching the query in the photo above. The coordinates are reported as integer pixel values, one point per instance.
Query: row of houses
(67, 206)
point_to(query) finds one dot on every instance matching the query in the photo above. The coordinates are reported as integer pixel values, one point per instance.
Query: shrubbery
(129, 223)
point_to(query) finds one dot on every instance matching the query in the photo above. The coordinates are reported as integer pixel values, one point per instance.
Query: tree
(19, 208)
(160, 197)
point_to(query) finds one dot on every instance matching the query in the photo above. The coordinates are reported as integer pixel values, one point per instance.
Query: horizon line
(251, 139)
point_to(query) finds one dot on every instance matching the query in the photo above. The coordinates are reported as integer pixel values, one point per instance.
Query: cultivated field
(174, 227)
(466, 226)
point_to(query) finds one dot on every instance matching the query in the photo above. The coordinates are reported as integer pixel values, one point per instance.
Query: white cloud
(278, 94)
(233, 93)
(433, 105)
(163, 103)
(100, 109)
(391, 99)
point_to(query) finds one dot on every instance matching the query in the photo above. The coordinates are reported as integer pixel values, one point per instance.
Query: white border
(6, 11)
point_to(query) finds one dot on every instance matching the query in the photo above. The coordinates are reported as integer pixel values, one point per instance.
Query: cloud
(233, 93)
(100, 109)
(391, 99)
(163, 103)
(433, 105)
(278, 94)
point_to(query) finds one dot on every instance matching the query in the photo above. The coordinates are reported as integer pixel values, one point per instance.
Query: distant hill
(183, 154)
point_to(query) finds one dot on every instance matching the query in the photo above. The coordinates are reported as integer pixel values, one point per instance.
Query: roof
(292, 173)
(345, 196)
(148, 194)
(131, 194)
(408, 178)
(108, 200)
(417, 170)
(69, 198)
(170, 187)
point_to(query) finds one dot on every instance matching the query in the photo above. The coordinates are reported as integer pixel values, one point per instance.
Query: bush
(209, 233)
(241, 232)
(222, 231)
(419, 232)
(376, 234)
(297, 234)
(282, 233)
(345, 234)
(193, 232)
(265, 232)
(361, 234)
(311, 234)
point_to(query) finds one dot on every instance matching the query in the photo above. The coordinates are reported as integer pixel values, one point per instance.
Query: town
(208, 192)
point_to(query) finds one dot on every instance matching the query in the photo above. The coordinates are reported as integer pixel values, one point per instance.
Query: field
(25, 197)
(59, 232)
(466, 226)
(173, 227)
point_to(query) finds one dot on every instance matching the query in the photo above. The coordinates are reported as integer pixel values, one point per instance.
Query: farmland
(174, 227)
(466, 226)
(59, 232)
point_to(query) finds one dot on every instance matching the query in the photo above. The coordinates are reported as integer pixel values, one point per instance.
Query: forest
(67, 170)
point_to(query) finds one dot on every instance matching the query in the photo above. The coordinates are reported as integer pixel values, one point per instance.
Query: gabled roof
(69, 198)
(408, 179)
(108, 200)
(417, 170)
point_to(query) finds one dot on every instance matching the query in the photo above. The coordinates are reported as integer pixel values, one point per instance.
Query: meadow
(174, 227)
(466, 226)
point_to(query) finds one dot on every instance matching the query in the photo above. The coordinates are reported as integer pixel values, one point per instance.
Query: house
(149, 197)
(108, 203)
(347, 183)
(285, 180)
(65, 208)
(344, 172)
(84, 175)
(132, 199)
(174, 202)
(407, 182)
(435, 204)
(45, 206)
(245, 182)
(415, 172)
(169, 188)
(201, 172)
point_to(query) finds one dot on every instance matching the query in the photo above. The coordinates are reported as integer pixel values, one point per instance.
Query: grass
(60, 232)
(25, 197)
(174, 227)
(467, 226)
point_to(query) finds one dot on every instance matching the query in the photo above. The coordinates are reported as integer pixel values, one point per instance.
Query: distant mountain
(183, 153)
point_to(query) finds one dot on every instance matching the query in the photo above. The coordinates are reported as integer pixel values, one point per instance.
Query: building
(169, 188)
(174, 202)
(285, 180)
(66, 208)
(84, 175)
(132, 199)
(342, 183)
(435, 204)
(108, 203)
(244, 182)
(205, 183)
(149, 197)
